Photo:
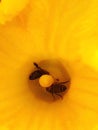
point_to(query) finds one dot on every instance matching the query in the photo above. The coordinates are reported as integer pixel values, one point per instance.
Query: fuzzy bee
(57, 88)
(48, 82)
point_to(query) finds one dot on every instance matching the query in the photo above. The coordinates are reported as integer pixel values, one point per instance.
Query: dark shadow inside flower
(58, 71)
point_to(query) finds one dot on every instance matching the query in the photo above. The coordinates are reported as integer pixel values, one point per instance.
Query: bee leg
(67, 81)
(53, 96)
(59, 95)
(42, 70)
(36, 65)
(57, 79)
(64, 82)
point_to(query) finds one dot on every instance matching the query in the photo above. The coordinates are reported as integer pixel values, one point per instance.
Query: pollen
(46, 81)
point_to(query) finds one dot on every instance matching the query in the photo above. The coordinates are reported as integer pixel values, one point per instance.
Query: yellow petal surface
(65, 30)
(10, 8)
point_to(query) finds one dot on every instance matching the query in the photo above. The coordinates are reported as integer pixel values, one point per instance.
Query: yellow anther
(46, 80)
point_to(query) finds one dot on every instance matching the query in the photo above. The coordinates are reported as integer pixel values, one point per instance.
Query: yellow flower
(53, 32)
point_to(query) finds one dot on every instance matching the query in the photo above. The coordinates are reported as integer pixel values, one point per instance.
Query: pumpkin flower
(62, 37)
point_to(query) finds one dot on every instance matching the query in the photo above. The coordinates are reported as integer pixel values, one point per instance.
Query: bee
(37, 73)
(57, 88)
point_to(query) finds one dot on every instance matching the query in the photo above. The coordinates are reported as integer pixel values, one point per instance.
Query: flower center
(42, 84)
